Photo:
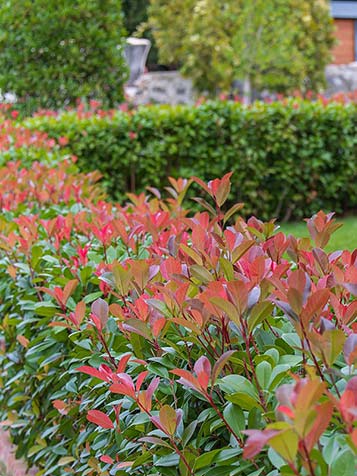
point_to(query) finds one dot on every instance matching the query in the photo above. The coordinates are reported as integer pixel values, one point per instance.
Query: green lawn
(343, 238)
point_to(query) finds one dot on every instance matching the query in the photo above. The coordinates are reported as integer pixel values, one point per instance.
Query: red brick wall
(344, 51)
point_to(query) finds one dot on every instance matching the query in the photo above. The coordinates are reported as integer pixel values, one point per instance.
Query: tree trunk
(247, 91)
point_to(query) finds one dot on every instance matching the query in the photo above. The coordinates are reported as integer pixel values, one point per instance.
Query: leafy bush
(54, 52)
(20, 144)
(147, 340)
(289, 158)
(213, 42)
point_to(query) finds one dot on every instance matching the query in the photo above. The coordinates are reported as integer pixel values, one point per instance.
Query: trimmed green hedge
(289, 159)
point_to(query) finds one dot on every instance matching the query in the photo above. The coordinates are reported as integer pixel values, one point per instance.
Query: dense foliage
(277, 44)
(290, 158)
(135, 22)
(54, 51)
(135, 13)
(147, 340)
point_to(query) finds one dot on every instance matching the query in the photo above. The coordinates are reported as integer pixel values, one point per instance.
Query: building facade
(344, 13)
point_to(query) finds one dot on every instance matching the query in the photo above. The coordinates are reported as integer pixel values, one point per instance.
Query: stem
(32, 275)
(102, 340)
(206, 347)
(188, 351)
(312, 354)
(272, 330)
(172, 441)
(294, 469)
(209, 341)
(303, 359)
(105, 253)
(330, 372)
(229, 428)
(308, 459)
(252, 369)
(182, 456)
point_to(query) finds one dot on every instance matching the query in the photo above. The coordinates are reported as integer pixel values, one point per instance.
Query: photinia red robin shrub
(147, 339)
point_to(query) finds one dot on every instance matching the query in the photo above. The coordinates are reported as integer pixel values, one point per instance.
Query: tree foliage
(136, 24)
(52, 52)
(135, 12)
(280, 44)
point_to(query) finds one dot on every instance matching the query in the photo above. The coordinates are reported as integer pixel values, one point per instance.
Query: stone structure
(341, 78)
(136, 53)
(163, 87)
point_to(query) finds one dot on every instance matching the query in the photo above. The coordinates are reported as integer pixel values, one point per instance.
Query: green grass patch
(343, 238)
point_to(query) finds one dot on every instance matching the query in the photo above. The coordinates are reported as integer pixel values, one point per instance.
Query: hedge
(149, 341)
(53, 52)
(289, 158)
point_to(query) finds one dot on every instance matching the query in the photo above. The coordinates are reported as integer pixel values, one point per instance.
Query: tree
(135, 22)
(135, 13)
(276, 44)
(55, 51)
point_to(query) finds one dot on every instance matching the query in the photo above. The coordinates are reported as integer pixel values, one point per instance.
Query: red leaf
(286, 410)
(100, 309)
(61, 406)
(315, 305)
(354, 437)
(100, 419)
(122, 363)
(140, 380)
(187, 379)
(221, 189)
(203, 371)
(124, 386)
(322, 421)
(93, 372)
(69, 289)
(80, 312)
(350, 349)
(348, 402)
(257, 439)
(221, 362)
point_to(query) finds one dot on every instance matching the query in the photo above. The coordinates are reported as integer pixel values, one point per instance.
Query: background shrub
(212, 42)
(289, 159)
(53, 52)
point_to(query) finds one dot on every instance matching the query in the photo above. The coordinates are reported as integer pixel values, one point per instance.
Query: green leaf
(237, 383)
(227, 307)
(92, 297)
(188, 432)
(45, 308)
(168, 461)
(263, 371)
(335, 340)
(235, 417)
(201, 273)
(276, 460)
(206, 459)
(227, 268)
(344, 464)
(285, 444)
(259, 312)
(277, 375)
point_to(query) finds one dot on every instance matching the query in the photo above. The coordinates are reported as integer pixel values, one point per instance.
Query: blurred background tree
(55, 51)
(136, 24)
(279, 45)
